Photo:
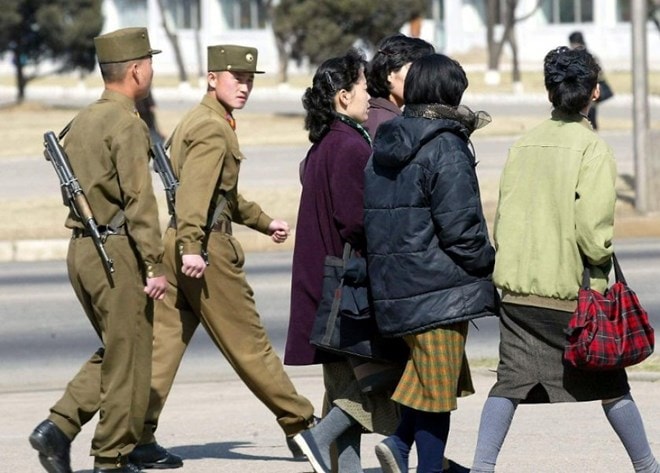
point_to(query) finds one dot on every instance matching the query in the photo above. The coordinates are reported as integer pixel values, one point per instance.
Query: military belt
(104, 230)
(222, 225)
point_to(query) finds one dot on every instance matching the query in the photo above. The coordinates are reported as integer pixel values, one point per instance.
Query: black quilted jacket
(429, 254)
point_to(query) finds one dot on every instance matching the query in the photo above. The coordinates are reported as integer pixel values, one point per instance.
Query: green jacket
(556, 203)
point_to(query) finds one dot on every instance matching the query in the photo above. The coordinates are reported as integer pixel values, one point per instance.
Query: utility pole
(640, 108)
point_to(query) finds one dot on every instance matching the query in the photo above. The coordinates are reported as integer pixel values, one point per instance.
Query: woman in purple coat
(330, 215)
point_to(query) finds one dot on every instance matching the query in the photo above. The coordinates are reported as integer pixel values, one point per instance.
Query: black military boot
(54, 447)
(128, 468)
(153, 456)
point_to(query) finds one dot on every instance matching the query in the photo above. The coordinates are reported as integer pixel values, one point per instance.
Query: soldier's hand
(156, 287)
(193, 266)
(279, 231)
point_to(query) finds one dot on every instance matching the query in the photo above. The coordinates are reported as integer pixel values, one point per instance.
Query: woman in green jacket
(556, 210)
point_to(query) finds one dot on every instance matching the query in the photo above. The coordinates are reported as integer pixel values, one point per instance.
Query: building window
(183, 14)
(568, 11)
(245, 14)
(623, 13)
(131, 12)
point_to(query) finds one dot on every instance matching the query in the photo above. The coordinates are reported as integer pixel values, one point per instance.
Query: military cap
(123, 45)
(230, 57)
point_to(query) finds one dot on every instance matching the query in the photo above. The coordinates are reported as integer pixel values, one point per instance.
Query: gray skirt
(532, 368)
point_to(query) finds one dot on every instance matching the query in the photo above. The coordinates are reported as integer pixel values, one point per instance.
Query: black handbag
(344, 322)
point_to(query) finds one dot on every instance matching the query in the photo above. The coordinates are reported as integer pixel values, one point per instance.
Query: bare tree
(495, 47)
(170, 31)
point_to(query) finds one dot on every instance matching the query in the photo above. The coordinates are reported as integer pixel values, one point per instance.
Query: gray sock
(348, 447)
(496, 418)
(626, 421)
(335, 423)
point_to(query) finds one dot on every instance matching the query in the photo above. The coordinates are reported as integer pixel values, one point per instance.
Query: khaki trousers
(115, 380)
(223, 302)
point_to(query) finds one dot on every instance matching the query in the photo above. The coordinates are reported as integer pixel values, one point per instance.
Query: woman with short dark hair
(386, 74)
(555, 213)
(429, 254)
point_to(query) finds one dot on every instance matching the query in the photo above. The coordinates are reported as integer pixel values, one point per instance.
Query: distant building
(457, 26)
(453, 26)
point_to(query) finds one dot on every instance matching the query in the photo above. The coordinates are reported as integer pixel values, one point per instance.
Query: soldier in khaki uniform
(206, 158)
(108, 145)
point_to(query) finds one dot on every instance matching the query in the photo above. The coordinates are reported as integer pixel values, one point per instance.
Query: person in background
(204, 261)
(555, 213)
(147, 110)
(576, 40)
(429, 255)
(330, 215)
(386, 74)
(117, 183)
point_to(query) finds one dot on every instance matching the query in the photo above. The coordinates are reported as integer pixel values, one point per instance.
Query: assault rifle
(74, 197)
(163, 167)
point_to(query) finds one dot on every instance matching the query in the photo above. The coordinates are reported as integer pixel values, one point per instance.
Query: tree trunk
(21, 80)
(174, 41)
(283, 58)
(511, 39)
(201, 68)
(516, 78)
(491, 18)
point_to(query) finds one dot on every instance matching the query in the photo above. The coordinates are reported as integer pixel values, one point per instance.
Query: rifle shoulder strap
(117, 221)
(168, 143)
(65, 130)
(220, 205)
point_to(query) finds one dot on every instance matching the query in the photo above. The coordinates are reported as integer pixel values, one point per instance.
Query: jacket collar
(214, 105)
(124, 100)
(560, 115)
(380, 102)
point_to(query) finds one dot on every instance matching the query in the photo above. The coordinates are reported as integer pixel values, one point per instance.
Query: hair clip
(328, 78)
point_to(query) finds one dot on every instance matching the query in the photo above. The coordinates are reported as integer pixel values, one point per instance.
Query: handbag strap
(347, 252)
(586, 274)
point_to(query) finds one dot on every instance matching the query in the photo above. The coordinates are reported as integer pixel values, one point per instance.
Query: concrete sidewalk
(220, 426)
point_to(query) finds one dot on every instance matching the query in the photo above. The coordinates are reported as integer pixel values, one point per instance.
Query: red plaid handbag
(609, 331)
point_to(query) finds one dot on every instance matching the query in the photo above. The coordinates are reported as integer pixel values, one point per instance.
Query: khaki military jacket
(108, 147)
(206, 159)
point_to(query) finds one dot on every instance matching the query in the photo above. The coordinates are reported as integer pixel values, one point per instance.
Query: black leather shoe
(153, 456)
(128, 468)
(53, 446)
(453, 467)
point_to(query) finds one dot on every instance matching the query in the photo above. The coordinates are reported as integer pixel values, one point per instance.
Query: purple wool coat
(380, 110)
(330, 214)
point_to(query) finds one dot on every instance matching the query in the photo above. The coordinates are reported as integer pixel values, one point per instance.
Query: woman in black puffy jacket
(429, 254)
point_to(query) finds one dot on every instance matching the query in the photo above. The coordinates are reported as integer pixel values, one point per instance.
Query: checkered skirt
(437, 372)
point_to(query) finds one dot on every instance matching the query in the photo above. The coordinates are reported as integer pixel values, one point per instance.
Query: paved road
(44, 336)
